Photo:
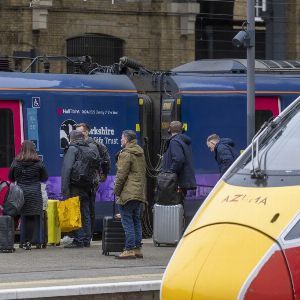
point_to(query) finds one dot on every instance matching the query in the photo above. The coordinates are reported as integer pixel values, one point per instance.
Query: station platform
(56, 267)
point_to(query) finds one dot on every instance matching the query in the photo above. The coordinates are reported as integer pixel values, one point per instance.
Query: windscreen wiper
(257, 173)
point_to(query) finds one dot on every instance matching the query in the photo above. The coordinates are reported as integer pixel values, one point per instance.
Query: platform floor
(56, 266)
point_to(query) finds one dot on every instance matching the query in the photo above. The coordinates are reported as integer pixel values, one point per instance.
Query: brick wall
(293, 29)
(153, 31)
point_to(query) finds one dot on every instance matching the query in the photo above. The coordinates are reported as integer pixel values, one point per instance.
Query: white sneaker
(66, 240)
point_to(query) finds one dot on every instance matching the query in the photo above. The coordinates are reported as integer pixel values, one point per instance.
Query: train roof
(106, 82)
(234, 82)
(234, 66)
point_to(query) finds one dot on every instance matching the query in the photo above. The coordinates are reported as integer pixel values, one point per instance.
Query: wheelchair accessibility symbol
(36, 102)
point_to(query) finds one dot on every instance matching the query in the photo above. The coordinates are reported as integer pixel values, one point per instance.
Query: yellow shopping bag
(69, 214)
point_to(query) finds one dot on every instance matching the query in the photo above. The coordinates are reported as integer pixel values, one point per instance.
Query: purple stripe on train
(105, 192)
(205, 184)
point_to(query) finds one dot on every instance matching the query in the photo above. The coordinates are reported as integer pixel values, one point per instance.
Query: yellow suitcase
(54, 233)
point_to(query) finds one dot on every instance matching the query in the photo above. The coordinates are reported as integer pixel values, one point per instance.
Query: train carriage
(45, 107)
(211, 97)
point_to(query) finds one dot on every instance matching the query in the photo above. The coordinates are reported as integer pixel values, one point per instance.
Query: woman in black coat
(28, 171)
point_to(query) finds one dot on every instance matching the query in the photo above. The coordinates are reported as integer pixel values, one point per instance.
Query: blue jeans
(131, 222)
(82, 236)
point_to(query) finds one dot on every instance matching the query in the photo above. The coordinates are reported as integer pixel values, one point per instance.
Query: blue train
(207, 96)
(45, 107)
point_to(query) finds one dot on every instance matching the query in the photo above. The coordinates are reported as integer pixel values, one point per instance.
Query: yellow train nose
(224, 261)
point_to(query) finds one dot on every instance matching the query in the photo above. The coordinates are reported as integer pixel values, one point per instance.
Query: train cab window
(261, 116)
(7, 145)
(279, 147)
(170, 112)
(294, 232)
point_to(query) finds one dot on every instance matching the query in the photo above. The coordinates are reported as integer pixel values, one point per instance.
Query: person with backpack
(102, 170)
(79, 165)
(225, 153)
(177, 166)
(28, 171)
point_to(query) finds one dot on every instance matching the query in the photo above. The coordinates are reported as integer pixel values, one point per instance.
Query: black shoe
(27, 246)
(73, 245)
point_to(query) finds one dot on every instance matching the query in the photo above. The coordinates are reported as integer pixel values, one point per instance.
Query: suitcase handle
(114, 206)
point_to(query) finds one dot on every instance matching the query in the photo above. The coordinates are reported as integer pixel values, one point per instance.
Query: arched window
(104, 49)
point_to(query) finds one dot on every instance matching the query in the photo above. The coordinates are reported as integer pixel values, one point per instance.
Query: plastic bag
(69, 214)
(44, 196)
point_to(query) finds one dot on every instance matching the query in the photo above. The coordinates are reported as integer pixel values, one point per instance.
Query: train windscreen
(279, 149)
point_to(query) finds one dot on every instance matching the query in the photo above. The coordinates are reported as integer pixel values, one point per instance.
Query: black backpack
(104, 157)
(13, 200)
(85, 166)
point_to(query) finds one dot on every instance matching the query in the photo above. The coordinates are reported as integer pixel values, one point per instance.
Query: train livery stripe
(68, 90)
(239, 92)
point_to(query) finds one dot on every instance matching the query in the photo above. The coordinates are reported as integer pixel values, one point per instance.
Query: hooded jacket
(28, 175)
(131, 174)
(178, 159)
(225, 154)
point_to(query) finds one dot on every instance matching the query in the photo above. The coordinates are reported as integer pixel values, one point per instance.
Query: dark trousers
(131, 222)
(30, 228)
(92, 211)
(82, 236)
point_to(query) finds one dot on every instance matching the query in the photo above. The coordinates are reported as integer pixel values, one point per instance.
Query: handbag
(167, 189)
(69, 215)
(13, 201)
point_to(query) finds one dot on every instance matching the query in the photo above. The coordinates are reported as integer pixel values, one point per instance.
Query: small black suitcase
(7, 234)
(113, 235)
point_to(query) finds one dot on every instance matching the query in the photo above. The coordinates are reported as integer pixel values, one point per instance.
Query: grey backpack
(13, 201)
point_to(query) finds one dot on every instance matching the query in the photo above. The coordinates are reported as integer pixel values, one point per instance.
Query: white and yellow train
(244, 242)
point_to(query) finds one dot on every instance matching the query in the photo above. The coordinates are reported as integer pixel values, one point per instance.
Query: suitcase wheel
(38, 246)
(58, 244)
(156, 244)
(105, 253)
(44, 246)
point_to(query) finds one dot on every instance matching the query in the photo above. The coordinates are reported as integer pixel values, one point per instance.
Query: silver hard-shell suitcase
(168, 224)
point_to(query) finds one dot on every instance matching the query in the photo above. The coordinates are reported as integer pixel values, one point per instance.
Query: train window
(261, 116)
(280, 149)
(294, 232)
(167, 106)
(7, 145)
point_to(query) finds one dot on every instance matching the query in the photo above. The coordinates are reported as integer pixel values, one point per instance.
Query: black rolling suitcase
(7, 234)
(113, 235)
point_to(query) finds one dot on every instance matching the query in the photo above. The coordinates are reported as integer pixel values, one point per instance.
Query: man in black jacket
(102, 171)
(225, 153)
(178, 158)
(78, 152)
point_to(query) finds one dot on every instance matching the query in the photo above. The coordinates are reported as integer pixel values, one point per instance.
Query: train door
(10, 133)
(265, 109)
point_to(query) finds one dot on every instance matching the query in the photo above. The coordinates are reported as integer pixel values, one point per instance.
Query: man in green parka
(130, 192)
